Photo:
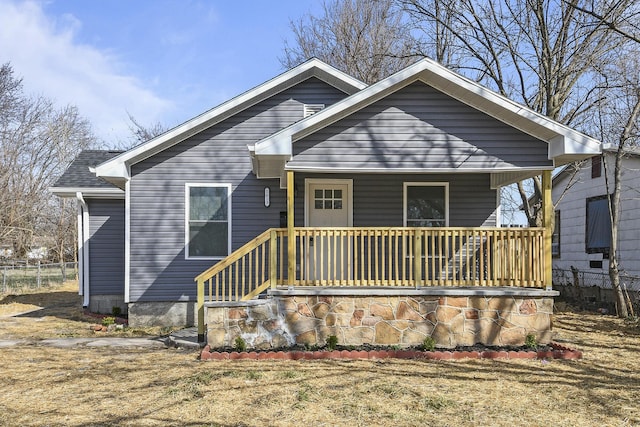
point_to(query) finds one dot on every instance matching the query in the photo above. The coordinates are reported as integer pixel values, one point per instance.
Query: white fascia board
(106, 193)
(114, 169)
(565, 149)
(446, 81)
(334, 73)
(497, 103)
(326, 169)
(118, 166)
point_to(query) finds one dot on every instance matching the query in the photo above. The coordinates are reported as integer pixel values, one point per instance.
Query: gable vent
(310, 109)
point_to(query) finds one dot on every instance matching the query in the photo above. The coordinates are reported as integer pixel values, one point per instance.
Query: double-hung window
(426, 204)
(208, 220)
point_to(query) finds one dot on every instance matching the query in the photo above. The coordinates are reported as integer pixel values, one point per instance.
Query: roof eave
(94, 192)
(564, 143)
(116, 169)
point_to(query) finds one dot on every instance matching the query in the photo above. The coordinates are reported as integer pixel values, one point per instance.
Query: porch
(384, 286)
(361, 258)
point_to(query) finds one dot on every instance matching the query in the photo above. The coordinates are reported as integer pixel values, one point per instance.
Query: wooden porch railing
(386, 256)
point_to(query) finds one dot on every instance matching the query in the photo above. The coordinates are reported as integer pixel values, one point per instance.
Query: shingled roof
(79, 177)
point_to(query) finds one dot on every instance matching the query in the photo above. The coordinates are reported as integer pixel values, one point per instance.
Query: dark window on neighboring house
(555, 237)
(598, 226)
(596, 166)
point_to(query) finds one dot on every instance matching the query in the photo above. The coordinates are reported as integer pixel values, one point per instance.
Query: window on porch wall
(426, 204)
(208, 214)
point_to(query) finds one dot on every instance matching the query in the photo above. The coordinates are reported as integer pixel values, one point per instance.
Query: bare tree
(615, 16)
(542, 53)
(367, 39)
(142, 133)
(37, 142)
(619, 121)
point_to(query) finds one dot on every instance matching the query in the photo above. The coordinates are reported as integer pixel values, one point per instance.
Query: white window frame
(187, 192)
(406, 185)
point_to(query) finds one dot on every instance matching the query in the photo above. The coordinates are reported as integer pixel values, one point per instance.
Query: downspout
(127, 241)
(83, 248)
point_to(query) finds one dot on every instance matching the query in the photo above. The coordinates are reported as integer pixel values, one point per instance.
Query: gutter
(83, 248)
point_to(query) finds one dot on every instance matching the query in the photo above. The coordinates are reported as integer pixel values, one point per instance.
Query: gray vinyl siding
(159, 271)
(378, 199)
(419, 127)
(106, 247)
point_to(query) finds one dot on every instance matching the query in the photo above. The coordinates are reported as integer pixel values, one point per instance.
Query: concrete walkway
(184, 338)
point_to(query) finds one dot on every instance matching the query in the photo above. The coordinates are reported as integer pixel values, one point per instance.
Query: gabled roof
(80, 177)
(116, 170)
(565, 144)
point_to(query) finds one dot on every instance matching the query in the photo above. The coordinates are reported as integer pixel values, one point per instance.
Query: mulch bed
(551, 351)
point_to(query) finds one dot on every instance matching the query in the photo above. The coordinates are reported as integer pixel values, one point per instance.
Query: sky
(159, 60)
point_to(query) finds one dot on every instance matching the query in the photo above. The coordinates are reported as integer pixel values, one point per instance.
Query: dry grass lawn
(142, 387)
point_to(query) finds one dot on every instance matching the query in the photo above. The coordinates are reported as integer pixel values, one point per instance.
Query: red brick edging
(558, 352)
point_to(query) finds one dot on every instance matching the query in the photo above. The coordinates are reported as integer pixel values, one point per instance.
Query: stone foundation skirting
(385, 317)
(171, 313)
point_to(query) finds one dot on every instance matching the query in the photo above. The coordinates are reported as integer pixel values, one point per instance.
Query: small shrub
(436, 403)
(106, 321)
(531, 341)
(429, 344)
(116, 311)
(289, 374)
(253, 375)
(332, 342)
(240, 344)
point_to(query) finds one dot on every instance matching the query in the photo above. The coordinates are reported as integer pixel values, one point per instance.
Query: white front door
(328, 203)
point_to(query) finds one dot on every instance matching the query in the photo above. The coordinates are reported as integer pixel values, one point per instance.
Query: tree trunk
(614, 209)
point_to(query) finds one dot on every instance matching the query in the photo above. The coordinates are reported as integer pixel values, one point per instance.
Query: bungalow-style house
(582, 234)
(314, 205)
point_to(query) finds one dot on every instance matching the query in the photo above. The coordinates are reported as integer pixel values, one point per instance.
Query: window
(208, 220)
(598, 226)
(555, 237)
(596, 166)
(426, 204)
(327, 199)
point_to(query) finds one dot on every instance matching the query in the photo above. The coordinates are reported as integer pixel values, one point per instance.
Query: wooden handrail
(241, 275)
(234, 256)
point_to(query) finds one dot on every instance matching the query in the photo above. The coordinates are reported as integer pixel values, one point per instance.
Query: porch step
(184, 338)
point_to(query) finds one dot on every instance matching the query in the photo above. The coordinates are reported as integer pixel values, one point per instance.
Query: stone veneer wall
(285, 320)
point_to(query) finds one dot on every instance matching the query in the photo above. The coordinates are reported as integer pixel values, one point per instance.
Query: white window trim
(425, 184)
(187, 188)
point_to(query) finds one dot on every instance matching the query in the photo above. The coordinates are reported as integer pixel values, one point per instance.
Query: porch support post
(273, 258)
(547, 210)
(200, 309)
(291, 239)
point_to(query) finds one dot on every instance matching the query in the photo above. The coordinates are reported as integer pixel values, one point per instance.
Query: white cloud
(46, 53)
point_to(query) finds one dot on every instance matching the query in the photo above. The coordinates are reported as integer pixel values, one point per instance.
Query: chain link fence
(19, 277)
(587, 279)
(593, 291)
